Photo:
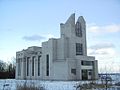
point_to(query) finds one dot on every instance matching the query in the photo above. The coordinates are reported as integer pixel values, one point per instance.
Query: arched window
(78, 29)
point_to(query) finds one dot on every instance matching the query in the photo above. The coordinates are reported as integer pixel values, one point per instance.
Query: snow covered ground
(48, 85)
(11, 84)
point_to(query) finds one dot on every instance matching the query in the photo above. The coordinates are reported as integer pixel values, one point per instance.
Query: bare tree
(2, 66)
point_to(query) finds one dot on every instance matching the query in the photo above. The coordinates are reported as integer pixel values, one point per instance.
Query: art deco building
(64, 58)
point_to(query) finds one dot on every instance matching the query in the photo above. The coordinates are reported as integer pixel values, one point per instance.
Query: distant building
(64, 58)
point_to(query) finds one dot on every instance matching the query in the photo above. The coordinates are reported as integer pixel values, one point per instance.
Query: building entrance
(86, 74)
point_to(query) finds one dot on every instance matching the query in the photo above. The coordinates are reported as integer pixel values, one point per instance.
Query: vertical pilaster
(95, 69)
(30, 68)
(16, 72)
(35, 67)
(23, 68)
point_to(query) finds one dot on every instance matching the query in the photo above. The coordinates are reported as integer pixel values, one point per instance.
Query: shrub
(92, 85)
(31, 87)
(117, 84)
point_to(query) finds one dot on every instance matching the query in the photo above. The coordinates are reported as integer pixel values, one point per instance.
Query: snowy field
(11, 84)
(48, 85)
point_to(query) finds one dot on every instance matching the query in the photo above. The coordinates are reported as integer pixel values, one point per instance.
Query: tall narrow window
(47, 65)
(28, 59)
(79, 49)
(78, 29)
(33, 60)
(19, 66)
(39, 65)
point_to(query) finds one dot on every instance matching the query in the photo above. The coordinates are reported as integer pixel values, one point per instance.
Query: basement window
(73, 71)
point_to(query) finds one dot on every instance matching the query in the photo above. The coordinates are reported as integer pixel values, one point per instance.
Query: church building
(63, 58)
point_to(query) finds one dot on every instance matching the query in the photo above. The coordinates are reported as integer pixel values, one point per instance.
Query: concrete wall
(72, 63)
(60, 70)
(95, 68)
(62, 55)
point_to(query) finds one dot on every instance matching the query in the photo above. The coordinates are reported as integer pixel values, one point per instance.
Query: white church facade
(64, 58)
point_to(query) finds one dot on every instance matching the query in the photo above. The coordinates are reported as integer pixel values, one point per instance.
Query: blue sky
(25, 23)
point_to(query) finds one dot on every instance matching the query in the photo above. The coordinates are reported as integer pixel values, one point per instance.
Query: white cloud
(106, 55)
(102, 51)
(33, 38)
(102, 45)
(50, 36)
(112, 28)
(36, 37)
(103, 29)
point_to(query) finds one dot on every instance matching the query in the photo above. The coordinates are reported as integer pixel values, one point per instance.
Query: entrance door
(84, 74)
(89, 74)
